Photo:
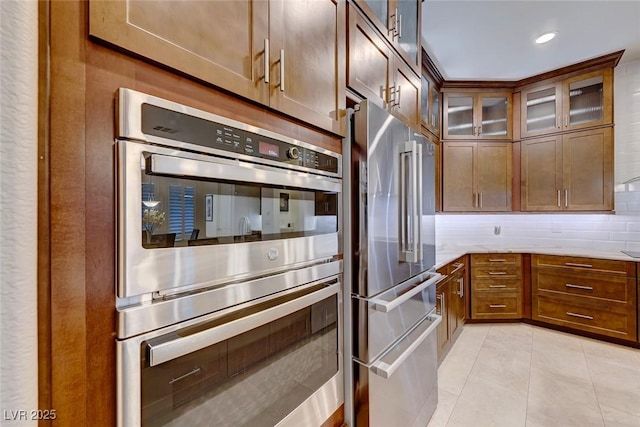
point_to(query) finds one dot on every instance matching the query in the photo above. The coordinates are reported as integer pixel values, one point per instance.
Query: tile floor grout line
(526, 409)
(593, 386)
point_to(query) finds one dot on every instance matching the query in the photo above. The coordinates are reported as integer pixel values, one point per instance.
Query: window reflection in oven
(188, 212)
(255, 378)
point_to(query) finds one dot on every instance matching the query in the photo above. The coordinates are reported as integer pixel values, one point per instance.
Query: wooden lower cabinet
(592, 295)
(451, 304)
(496, 286)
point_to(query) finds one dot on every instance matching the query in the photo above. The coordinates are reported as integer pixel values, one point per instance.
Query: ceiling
(494, 40)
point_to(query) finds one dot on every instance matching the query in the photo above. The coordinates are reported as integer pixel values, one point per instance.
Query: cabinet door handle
(497, 306)
(573, 264)
(559, 198)
(442, 303)
(497, 286)
(497, 273)
(473, 130)
(481, 200)
(566, 198)
(566, 120)
(266, 60)
(569, 285)
(479, 130)
(399, 25)
(581, 316)
(461, 288)
(398, 92)
(475, 200)
(282, 70)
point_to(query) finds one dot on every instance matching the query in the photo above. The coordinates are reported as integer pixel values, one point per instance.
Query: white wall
(18, 210)
(590, 231)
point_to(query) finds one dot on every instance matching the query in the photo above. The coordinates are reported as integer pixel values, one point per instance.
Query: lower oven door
(277, 362)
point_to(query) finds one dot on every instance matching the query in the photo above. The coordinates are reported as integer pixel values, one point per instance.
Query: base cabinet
(592, 295)
(496, 286)
(451, 303)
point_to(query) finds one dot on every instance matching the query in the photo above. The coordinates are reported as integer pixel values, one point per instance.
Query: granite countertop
(447, 253)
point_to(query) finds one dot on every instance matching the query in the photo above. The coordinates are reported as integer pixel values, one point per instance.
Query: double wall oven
(229, 276)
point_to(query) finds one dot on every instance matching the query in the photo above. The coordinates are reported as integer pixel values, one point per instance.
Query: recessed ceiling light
(545, 37)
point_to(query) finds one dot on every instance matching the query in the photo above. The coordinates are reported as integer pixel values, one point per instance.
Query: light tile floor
(518, 375)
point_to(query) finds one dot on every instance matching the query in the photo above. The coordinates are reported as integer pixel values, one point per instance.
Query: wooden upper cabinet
(399, 22)
(430, 105)
(477, 176)
(574, 103)
(245, 52)
(570, 172)
(376, 73)
(477, 115)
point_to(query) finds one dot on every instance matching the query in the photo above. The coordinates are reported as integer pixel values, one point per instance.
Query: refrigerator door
(394, 221)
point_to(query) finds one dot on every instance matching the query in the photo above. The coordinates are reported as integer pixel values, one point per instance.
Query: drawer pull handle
(497, 306)
(497, 273)
(188, 374)
(581, 316)
(497, 260)
(569, 285)
(572, 264)
(497, 286)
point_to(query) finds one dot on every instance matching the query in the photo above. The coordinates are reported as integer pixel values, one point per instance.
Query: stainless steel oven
(229, 286)
(274, 361)
(203, 199)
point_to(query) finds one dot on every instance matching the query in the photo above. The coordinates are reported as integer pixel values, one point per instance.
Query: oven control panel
(177, 126)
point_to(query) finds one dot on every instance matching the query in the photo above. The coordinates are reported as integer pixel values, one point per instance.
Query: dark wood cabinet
(375, 72)
(451, 295)
(286, 55)
(430, 104)
(593, 295)
(477, 176)
(496, 286)
(477, 115)
(570, 172)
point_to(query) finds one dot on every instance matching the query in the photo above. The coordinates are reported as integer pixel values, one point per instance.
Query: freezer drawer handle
(385, 370)
(387, 306)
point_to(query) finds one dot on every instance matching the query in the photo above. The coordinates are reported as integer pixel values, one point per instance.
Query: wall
(18, 211)
(589, 231)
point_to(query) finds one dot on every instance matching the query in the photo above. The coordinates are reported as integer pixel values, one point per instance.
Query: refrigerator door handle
(385, 369)
(379, 304)
(410, 200)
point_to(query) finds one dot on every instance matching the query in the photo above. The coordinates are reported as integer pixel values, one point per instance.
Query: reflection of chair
(159, 240)
(194, 234)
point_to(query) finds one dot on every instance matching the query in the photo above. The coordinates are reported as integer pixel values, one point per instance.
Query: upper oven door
(188, 220)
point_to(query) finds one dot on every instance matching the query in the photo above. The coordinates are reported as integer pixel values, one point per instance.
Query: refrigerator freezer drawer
(403, 384)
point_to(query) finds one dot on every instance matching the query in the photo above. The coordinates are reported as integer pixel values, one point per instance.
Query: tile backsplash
(619, 231)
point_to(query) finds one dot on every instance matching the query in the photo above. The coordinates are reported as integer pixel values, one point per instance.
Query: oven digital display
(269, 149)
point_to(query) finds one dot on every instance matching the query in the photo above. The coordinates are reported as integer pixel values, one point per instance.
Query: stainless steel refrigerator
(392, 225)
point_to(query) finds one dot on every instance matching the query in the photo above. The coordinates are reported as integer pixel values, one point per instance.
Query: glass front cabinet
(430, 105)
(477, 116)
(571, 104)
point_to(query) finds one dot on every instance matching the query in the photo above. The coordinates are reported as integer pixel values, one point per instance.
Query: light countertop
(447, 253)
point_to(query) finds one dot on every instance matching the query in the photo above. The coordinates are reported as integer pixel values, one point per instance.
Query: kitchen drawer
(496, 259)
(498, 272)
(496, 306)
(601, 266)
(586, 317)
(606, 288)
(497, 284)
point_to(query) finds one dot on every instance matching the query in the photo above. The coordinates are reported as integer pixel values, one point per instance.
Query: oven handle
(385, 370)
(384, 306)
(172, 349)
(179, 166)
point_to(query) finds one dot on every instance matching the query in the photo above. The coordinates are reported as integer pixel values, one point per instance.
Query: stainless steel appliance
(229, 287)
(393, 254)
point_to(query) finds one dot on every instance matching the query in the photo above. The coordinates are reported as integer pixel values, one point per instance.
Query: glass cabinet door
(380, 8)
(495, 115)
(540, 109)
(435, 110)
(407, 27)
(425, 111)
(459, 116)
(585, 101)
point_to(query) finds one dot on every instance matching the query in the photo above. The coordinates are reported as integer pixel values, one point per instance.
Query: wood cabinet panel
(255, 48)
(576, 314)
(405, 102)
(496, 305)
(451, 294)
(577, 264)
(496, 259)
(444, 341)
(571, 172)
(477, 176)
(587, 178)
(496, 273)
(585, 284)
